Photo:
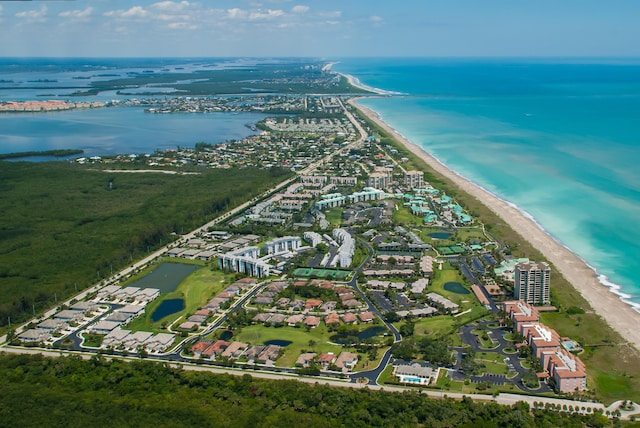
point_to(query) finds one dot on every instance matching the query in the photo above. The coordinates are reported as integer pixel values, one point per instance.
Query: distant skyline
(319, 28)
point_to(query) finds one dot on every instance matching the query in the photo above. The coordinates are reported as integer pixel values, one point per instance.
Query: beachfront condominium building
(379, 180)
(532, 282)
(414, 179)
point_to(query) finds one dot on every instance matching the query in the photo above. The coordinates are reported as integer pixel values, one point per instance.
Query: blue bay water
(111, 130)
(118, 130)
(559, 139)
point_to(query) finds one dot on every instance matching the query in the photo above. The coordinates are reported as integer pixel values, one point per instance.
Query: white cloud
(236, 13)
(171, 6)
(78, 15)
(134, 12)
(300, 9)
(34, 15)
(376, 20)
(182, 26)
(269, 14)
(331, 14)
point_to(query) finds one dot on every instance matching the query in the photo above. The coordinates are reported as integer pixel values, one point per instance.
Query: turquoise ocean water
(559, 139)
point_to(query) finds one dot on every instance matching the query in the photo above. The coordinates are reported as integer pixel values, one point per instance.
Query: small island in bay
(32, 106)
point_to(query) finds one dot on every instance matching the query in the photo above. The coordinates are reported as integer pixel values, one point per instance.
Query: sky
(319, 28)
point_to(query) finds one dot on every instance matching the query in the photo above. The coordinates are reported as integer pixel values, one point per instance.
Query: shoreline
(605, 300)
(355, 82)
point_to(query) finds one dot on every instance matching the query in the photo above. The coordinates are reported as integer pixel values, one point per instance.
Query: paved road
(497, 335)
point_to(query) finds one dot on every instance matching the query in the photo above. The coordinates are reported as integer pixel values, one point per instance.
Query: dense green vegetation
(58, 153)
(38, 391)
(293, 78)
(64, 226)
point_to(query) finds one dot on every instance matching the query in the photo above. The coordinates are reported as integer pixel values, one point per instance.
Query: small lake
(226, 335)
(440, 235)
(166, 277)
(347, 339)
(278, 342)
(167, 307)
(456, 287)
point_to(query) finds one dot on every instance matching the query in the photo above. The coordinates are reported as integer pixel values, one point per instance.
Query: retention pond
(166, 277)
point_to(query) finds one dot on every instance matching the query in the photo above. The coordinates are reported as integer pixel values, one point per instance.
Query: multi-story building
(414, 179)
(245, 260)
(343, 181)
(286, 243)
(541, 338)
(379, 180)
(521, 313)
(314, 180)
(533, 282)
(566, 370)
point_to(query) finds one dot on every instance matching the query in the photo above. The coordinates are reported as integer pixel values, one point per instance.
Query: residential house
(294, 320)
(348, 318)
(216, 348)
(347, 361)
(332, 319)
(234, 350)
(305, 360)
(312, 303)
(326, 359)
(312, 321)
(269, 353)
(366, 317)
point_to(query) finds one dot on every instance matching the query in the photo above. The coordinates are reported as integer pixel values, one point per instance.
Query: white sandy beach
(620, 316)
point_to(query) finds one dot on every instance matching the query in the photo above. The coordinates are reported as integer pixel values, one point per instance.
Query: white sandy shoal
(619, 315)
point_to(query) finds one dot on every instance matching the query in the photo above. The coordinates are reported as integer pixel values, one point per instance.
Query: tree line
(71, 392)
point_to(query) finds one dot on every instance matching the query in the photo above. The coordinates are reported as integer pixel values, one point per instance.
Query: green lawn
(315, 340)
(403, 216)
(448, 324)
(92, 340)
(493, 362)
(387, 377)
(437, 325)
(441, 277)
(334, 216)
(300, 338)
(484, 343)
(196, 290)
